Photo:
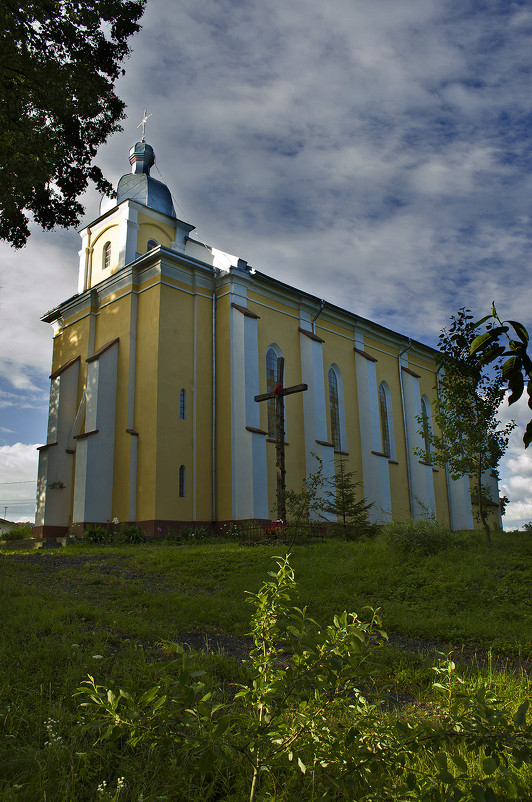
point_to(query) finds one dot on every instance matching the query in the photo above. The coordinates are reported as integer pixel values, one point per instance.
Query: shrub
(96, 534)
(133, 534)
(422, 536)
(17, 532)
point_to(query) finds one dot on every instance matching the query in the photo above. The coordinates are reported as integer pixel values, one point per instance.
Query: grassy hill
(110, 611)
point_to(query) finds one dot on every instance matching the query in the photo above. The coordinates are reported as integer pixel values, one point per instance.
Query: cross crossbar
(296, 388)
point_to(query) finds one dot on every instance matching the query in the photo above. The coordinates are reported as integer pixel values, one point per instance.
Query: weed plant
(300, 718)
(422, 536)
(109, 611)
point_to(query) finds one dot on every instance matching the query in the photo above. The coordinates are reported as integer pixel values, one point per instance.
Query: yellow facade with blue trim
(156, 363)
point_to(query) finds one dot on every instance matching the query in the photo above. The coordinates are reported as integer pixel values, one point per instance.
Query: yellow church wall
(168, 229)
(281, 330)
(338, 351)
(223, 408)
(147, 360)
(387, 370)
(261, 303)
(204, 408)
(73, 341)
(148, 229)
(175, 436)
(427, 385)
(326, 327)
(108, 233)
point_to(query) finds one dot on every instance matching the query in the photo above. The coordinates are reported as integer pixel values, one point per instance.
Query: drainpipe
(322, 307)
(408, 476)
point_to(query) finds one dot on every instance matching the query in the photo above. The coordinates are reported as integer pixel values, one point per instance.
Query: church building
(156, 364)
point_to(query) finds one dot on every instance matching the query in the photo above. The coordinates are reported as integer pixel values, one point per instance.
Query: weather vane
(143, 123)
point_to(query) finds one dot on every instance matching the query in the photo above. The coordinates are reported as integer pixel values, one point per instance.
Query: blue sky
(373, 153)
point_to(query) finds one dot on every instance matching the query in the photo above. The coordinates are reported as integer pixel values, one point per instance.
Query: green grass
(126, 600)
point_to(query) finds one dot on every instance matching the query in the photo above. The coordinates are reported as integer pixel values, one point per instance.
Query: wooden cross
(278, 394)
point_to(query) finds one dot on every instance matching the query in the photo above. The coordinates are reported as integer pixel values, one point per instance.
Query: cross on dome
(143, 123)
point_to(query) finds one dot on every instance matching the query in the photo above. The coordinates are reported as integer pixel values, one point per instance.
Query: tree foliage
(516, 370)
(59, 60)
(471, 439)
(322, 497)
(342, 498)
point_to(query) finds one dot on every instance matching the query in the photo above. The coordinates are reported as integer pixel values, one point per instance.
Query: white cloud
(516, 468)
(18, 481)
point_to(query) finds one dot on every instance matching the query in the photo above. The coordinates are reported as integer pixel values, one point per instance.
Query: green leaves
(299, 720)
(516, 370)
(59, 62)
(468, 438)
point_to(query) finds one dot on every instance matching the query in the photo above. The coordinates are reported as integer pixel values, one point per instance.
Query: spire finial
(143, 123)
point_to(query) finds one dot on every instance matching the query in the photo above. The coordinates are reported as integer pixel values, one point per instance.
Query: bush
(17, 532)
(133, 534)
(422, 536)
(97, 534)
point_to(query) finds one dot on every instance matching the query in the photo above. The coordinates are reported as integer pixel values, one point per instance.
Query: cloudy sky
(372, 152)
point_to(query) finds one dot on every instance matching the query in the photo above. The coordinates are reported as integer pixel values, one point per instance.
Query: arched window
(385, 427)
(152, 243)
(106, 256)
(426, 427)
(182, 481)
(271, 383)
(334, 410)
(183, 404)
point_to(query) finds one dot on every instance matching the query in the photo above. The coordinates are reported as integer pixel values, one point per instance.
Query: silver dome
(138, 185)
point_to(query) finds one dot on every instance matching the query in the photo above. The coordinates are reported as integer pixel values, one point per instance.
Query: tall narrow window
(183, 404)
(334, 410)
(106, 256)
(151, 244)
(182, 481)
(385, 429)
(271, 383)
(426, 429)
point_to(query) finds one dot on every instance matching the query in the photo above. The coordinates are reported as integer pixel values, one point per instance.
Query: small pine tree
(341, 497)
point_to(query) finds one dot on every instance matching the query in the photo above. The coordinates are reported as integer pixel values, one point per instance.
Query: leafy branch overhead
(516, 369)
(59, 60)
